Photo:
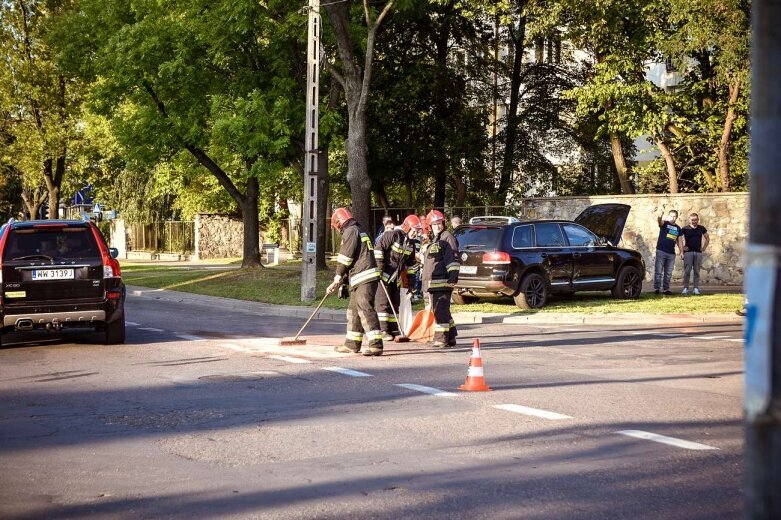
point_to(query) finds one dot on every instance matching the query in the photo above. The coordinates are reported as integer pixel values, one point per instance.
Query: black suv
(528, 260)
(59, 273)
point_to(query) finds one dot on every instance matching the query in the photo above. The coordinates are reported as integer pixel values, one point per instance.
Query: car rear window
(478, 237)
(59, 244)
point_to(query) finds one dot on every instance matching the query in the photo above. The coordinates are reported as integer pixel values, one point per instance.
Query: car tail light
(496, 258)
(110, 265)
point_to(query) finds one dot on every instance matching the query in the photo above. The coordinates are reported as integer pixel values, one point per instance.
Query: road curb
(461, 318)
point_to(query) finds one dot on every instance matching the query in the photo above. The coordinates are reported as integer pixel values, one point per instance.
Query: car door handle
(577, 255)
(544, 255)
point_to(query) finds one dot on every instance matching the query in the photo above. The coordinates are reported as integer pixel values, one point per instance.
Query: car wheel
(533, 293)
(629, 283)
(460, 299)
(115, 332)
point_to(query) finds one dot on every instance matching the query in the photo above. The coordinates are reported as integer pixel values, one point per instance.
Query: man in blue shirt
(670, 234)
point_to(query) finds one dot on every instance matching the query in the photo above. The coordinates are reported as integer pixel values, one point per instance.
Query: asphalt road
(200, 415)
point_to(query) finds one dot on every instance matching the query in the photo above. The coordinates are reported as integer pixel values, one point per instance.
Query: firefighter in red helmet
(356, 261)
(395, 254)
(440, 274)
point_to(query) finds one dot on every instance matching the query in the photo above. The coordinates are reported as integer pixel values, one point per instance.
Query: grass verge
(281, 285)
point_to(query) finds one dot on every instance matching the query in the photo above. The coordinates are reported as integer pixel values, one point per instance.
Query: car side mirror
(113, 251)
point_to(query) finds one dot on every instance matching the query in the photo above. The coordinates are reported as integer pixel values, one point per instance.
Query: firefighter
(440, 274)
(395, 255)
(356, 261)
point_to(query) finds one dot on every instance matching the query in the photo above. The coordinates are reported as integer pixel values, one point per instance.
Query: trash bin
(269, 254)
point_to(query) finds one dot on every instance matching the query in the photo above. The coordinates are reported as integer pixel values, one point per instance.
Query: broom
(287, 342)
(401, 338)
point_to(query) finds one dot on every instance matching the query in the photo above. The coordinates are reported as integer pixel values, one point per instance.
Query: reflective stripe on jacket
(356, 256)
(393, 251)
(441, 266)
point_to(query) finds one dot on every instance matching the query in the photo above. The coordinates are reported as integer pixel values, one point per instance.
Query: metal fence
(164, 237)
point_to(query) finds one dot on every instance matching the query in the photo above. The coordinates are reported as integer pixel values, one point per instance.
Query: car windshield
(54, 244)
(478, 237)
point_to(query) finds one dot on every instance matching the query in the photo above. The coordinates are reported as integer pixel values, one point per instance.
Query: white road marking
(290, 359)
(427, 390)
(132, 323)
(189, 337)
(151, 329)
(670, 335)
(525, 410)
(347, 372)
(663, 439)
(710, 337)
(736, 340)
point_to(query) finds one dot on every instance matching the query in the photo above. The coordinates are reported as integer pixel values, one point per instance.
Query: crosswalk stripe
(290, 359)
(151, 329)
(189, 337)
(347, 372)
(427, 390)
(663, 439)
(525, 410)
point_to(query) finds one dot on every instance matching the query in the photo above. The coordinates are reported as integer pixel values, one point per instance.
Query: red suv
(57, 274)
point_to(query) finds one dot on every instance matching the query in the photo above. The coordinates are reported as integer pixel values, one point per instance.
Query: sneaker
(344, 349)
(696, 291)
(656, 292)
(436, 344)
(668, 292)
(372, 351)
(686, 291)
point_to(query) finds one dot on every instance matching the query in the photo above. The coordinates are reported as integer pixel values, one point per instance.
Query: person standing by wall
(440, 274)
(696, 240)
(356, 261)
(670, 234)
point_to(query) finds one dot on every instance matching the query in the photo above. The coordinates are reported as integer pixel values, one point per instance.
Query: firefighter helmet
(434, 216)
(412, 222)
(340, 218)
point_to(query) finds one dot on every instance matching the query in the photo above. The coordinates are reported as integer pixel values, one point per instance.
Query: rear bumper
(484, 287)
(65, 318)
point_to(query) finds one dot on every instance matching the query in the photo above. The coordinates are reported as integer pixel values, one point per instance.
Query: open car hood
(605, 220)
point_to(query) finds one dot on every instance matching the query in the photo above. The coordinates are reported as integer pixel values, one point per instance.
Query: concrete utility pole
(762, 401)
(310, 220)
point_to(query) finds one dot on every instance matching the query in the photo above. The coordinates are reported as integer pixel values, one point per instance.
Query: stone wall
(725, 215)
(218, 236)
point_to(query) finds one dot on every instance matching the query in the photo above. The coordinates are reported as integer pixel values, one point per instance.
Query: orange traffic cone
(475, 382)
(422, 328)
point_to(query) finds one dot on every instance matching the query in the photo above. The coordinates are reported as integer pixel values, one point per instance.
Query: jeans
(663, 266)
(692, 261)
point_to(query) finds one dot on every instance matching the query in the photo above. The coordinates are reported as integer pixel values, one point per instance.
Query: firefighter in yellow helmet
(440, 274)
(356, 261)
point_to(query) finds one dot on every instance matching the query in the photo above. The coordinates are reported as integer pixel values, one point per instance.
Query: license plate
(468, 269)
(52, 274)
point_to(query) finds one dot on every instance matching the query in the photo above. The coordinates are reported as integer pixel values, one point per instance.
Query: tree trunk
(723, 152)
(460, 191)
(672, 173)
(357, 168)
(442, 44)
(355, 83)
(248, 203)
(511, 126)
(33, 204)
(249, 216)
(53, 173)
(284, 228)
(323, 221)
(620, 161)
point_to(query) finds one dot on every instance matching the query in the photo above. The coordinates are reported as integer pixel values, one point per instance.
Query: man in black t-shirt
(669, 235)
(696, 240)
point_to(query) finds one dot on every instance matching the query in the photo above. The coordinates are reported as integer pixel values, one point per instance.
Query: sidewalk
(460, 318)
